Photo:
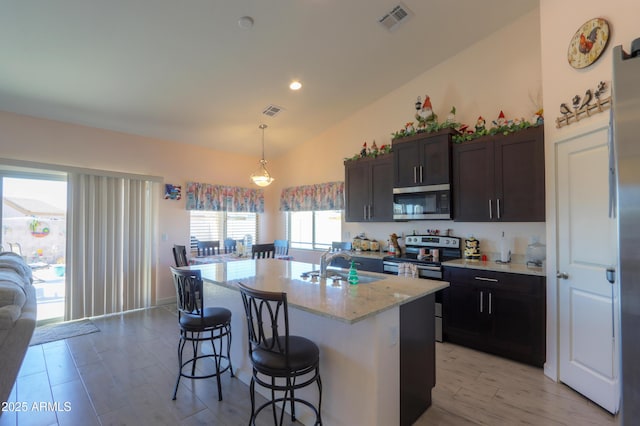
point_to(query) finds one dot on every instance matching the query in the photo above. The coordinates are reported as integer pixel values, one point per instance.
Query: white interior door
(586, 248)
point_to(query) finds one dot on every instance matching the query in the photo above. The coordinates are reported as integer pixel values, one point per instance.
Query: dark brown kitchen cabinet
(500, 178)
(361, 263)
(496, 312)
(423, 159)
(369, 189)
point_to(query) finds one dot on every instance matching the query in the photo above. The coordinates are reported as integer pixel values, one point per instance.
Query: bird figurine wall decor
(602, 86)
(587, 98)
(584, 107)
(576, 101)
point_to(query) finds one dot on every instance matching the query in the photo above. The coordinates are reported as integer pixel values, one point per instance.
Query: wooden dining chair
(282, 249)
(208, 248)
(229, 245)
(262, 251)
(180, 255)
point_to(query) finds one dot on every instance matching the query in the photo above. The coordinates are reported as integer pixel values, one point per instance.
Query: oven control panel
(432, 241)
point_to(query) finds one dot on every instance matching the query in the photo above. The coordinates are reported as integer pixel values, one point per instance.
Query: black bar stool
(278, 359)
(195, 319)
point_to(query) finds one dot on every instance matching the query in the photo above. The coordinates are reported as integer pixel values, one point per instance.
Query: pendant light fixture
(261, 177)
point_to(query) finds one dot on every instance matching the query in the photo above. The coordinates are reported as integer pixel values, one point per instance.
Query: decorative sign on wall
(172, 192)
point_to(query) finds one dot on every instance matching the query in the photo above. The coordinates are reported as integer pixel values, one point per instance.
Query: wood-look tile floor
(125, 374)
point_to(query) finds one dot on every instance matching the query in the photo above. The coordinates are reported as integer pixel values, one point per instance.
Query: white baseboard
(166, 301)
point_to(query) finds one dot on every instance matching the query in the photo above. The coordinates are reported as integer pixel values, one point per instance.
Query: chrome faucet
(326, 259)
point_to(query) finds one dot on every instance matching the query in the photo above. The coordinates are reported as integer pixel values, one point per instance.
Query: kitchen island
(376, 339)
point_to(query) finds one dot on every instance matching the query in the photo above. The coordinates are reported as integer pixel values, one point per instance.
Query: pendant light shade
(261, 177)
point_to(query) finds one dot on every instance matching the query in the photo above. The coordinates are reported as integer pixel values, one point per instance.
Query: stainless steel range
(436, 250)
(427, 252)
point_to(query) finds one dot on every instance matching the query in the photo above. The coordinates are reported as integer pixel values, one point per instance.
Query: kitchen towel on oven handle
(407, 270)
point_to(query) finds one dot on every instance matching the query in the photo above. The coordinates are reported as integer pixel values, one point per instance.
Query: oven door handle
(429, 268)
(423, 267)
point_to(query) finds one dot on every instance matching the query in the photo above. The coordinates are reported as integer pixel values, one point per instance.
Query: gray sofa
(18, 308)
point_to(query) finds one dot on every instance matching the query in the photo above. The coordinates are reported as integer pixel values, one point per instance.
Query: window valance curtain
(321, 196)
(205, 196)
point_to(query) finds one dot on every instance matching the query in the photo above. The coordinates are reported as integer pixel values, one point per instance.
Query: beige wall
(45, 141)
(559, 21)
(501, 72)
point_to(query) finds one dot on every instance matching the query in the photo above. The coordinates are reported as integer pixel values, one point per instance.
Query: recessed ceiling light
(295, 85)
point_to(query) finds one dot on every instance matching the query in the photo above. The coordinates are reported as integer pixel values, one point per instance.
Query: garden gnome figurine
(364, 150)
(426, 115)
(480, 125)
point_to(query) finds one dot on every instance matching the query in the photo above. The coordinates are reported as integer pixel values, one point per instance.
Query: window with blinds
(216, 226)
(314, 230)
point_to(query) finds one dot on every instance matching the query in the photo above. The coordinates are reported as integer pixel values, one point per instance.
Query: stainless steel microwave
(422, 202)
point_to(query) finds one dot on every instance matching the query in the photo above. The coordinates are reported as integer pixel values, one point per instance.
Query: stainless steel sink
(335, 275)
(339, 276)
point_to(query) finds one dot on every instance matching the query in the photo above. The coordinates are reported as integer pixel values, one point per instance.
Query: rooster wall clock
(588, 43)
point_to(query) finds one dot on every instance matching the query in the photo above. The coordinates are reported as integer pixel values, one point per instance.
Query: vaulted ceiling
(186, 71)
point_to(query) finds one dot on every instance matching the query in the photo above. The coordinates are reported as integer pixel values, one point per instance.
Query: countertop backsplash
(489, 234)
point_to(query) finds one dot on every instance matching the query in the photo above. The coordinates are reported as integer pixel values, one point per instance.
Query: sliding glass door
(34, 226)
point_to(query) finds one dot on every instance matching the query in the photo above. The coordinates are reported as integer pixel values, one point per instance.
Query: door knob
(562, 275)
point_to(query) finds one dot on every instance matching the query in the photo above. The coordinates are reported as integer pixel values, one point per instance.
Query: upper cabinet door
(356, 190)
(519, 168)
(369, 189)
(473, 182)
(381, 201)
(423, 159)
(500, 178)
(407, 163)
(436, 160)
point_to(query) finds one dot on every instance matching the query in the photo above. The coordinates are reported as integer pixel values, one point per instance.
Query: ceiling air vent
(272, 110)
(397, 16)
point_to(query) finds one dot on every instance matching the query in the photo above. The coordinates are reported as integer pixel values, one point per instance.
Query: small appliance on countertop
(536, 252)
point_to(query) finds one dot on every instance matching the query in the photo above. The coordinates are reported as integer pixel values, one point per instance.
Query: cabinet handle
(498, 206)
(493, 280)
(364, 211)
(369, 212)
(489, 303)
(490, 210)
(421, 179)
(415, 174)
(481, 294)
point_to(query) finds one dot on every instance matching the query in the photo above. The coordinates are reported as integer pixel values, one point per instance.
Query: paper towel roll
(505, 249)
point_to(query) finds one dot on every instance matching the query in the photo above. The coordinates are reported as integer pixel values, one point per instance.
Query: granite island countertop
(514, 268)
(334, 299)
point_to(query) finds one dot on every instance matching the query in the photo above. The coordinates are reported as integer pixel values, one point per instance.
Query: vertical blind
(110, 245)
